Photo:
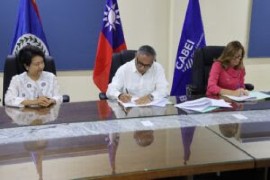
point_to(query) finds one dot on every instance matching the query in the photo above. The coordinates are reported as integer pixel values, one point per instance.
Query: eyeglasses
(140, 64)
(237, 57)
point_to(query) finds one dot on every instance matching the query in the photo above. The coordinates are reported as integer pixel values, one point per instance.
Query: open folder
(158, 102)
(203, 104)
(253, 96)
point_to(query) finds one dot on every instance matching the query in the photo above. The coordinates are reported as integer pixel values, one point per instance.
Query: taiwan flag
(192, 37)
(111, 40)
(29, 29)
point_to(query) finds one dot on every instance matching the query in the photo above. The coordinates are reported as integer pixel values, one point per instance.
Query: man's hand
(144, 100)
(124, 97)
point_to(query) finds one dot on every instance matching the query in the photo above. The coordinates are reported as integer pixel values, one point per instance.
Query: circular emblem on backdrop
(30, 39)
(111, 17)
(43, 84)
(28, 85)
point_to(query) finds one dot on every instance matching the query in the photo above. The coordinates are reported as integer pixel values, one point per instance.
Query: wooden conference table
(145, 153)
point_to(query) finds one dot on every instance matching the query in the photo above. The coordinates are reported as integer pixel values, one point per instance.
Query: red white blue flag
(111, 40)
(192, 37)
(29, 28)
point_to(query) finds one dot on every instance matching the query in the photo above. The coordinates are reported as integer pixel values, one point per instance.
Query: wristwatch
(151, 97)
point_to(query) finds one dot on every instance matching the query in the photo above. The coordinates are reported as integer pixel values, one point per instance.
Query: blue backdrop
(71, 28)
(259, 35)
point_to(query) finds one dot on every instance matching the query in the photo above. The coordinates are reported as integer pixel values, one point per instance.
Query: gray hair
(146, 50)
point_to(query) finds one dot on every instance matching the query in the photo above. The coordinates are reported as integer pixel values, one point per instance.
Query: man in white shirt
(142, 77)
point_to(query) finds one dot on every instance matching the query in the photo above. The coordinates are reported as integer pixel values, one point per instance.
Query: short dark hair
(28, 52)
(147, 50)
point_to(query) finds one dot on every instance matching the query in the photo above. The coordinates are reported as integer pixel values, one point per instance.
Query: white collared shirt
(22, 87)
(127, 79)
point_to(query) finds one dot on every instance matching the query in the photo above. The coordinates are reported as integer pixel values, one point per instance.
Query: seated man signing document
(142, 77)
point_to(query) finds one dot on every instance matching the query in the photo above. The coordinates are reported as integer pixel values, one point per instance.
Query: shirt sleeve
(161, 89)
(212, 87)
(11, 96)
(115, 88)
(56, 91)
(242, 77)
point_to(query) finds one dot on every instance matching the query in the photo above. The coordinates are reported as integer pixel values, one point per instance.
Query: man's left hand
(144, 100)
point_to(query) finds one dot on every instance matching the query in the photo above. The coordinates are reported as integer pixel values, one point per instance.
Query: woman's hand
(40, 101)
(241, 92)
(44, 101)
(237, 92)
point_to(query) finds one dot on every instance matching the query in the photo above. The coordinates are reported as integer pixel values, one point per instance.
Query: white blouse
(22, 87)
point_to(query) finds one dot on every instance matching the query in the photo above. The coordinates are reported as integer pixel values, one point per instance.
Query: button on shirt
(128, 80)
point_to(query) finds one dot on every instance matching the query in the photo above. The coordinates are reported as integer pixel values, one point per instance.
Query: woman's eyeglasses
(237, 57)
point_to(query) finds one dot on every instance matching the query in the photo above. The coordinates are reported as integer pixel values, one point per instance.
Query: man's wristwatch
(151, 97)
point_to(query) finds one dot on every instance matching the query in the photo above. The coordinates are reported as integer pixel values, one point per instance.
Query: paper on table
(203, 104)
(158, 102)
(253, 95)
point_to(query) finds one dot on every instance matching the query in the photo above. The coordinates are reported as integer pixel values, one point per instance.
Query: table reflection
(144, 138)
(104, 110)
(229, 130)
(33, 116)
(36, 150)
(246, 132)
(120, 112)
(112, 143)
(187, 137)
(187, 134)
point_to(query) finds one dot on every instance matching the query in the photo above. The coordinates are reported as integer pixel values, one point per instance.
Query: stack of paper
(203, 104)
(253, 95)
(158, 102)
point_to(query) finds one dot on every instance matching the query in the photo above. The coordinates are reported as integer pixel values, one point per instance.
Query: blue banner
(29, 28)
(192, 37)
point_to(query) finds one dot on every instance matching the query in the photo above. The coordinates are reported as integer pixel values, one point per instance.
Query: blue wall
(259, 35)
(71, 27)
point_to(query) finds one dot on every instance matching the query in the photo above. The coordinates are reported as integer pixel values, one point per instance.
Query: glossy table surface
(247, 130)
(101, 110)
(78, 112)
(97, 139)
(252, 138)
(137, 155)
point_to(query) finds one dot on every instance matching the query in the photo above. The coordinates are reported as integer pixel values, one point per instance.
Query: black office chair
(118, 59)
(13, 67)
(203, 60)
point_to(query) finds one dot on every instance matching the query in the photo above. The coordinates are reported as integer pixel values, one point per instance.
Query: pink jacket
(220, 78)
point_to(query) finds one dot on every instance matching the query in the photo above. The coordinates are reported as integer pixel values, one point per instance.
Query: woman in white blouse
(34, 87)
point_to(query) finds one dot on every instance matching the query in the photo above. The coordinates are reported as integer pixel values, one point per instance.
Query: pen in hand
(128, 95)
(125, 97)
